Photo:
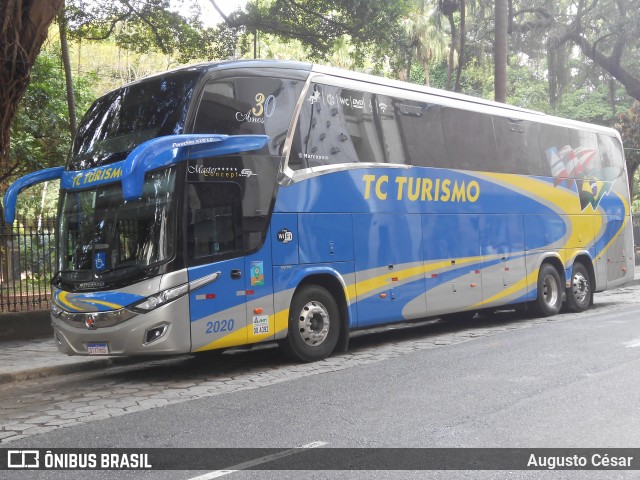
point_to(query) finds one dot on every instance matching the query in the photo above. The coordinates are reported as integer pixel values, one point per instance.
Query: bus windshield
(102, 237)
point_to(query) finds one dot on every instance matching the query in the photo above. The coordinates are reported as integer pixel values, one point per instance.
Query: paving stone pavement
(96, 389)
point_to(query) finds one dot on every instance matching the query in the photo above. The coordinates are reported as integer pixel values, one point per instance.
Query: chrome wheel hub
(550, 290)
(313, 323)
(580, 287)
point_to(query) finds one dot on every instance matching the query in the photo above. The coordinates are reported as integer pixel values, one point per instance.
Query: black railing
(27, 263)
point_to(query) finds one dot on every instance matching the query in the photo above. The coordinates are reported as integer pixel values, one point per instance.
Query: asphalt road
(504, 381)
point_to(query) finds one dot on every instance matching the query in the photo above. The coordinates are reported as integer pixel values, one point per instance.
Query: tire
(580, 293)
(314, 325)
(550, 289)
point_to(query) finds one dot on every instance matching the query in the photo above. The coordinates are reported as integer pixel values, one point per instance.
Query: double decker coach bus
(240, 202)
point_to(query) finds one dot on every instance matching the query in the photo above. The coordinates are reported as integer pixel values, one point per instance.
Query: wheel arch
(555, 260)
(587, 261)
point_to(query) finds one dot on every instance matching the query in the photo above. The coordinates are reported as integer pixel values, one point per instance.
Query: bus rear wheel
(549, 300)
(580, 293)
(314, 325)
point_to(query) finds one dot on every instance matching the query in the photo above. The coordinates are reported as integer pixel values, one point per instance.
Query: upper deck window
(249, 105)
(518, 148)
(336, 126)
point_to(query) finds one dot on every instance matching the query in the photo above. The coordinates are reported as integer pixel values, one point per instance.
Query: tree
(40, 136)
(426, 36)
(500, 55)
(319, 23)
(607, 34)
(629, 127)
(144, 25)
(66, 63)
(24, 29)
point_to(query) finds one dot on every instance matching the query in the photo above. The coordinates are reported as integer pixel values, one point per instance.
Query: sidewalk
(39, 358)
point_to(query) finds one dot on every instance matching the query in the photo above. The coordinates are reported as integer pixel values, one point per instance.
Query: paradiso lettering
(109, 173)
(421, 189)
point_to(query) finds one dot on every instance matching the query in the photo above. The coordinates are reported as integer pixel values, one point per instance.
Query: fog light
(155, 333)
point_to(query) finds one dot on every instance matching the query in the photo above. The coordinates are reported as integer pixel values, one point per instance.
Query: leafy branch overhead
(155, 25)
(23, 30)
(319, 23)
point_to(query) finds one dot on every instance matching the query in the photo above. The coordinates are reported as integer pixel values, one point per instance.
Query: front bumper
(128, 338)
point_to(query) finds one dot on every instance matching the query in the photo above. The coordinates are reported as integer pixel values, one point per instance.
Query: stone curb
(63, 369)
(74, 366)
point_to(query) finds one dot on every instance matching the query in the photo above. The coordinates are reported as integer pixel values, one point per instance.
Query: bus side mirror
(11, 195)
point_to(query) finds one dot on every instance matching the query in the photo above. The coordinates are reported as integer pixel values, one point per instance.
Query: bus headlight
(154, 301)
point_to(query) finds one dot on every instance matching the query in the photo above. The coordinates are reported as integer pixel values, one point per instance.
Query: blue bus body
(297, 203)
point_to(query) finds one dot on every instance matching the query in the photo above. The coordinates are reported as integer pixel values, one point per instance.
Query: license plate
(98, 349)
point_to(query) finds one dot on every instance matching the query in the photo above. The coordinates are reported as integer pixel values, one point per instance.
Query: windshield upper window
(101, 234)
(123, 119)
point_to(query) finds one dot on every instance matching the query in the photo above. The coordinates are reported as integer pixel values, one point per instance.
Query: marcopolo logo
(285, 236)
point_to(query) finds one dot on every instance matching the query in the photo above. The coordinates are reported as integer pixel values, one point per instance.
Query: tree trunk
(66, 62)
(463, 33)
(452, 25)
(552, 67)
(612, 96)
(500, 56)
(23, 29)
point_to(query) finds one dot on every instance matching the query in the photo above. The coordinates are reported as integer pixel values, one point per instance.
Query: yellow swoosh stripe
(62, 297)
(115, 306)
(244, 335)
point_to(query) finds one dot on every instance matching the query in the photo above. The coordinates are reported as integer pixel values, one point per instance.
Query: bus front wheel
(550, 289)
(314, 325)
(580, 293)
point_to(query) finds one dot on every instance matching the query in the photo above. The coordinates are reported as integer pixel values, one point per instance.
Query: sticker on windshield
(100, 261)
(265, 107)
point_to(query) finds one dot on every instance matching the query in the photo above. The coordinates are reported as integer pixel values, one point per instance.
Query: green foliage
(373, 25)
(151, 25)
(40, 136)
(629, 127)
(40, 132)
(590, 105)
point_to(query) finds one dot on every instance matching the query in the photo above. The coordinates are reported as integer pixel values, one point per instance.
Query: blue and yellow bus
(233, 203)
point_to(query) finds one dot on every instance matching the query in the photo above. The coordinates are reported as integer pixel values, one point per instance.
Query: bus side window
(611, 153)
(387, 120)
(587, 157)
(420, 127)
(518, 147)
(470, 139)
(214, 220)
(555, 143)
(335, 126)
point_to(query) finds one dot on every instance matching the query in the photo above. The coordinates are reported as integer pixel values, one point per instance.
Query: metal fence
(27, 262)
